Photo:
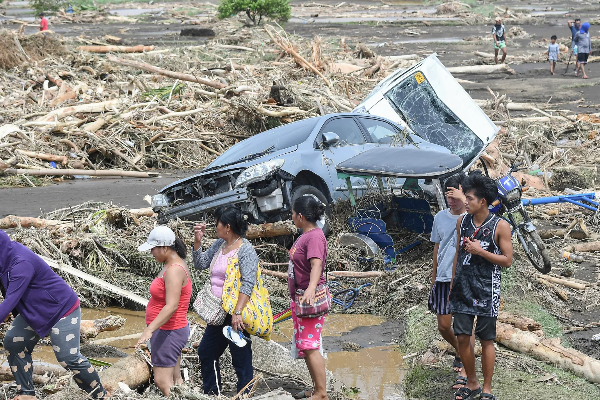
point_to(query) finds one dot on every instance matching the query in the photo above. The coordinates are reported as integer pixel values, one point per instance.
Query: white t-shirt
(444, 233)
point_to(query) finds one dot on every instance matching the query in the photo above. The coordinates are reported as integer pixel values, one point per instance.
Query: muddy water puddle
(375, 369)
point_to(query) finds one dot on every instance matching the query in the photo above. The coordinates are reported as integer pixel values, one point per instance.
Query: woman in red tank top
(166, 313)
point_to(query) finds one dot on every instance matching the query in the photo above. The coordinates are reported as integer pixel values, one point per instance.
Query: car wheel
(305, 190)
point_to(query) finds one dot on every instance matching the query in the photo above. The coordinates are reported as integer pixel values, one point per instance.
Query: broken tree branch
(176, 75)
(116, 49)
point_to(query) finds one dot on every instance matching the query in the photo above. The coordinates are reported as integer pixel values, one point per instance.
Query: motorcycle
(509, 206)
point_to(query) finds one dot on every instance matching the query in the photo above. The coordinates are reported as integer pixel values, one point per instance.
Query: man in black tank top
(484, 247)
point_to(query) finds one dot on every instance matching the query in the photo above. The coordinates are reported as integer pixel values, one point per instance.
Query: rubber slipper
(466, 394)
(457, 363)
(234, 336)
(461, 380)
(487, 396)
(303, 395)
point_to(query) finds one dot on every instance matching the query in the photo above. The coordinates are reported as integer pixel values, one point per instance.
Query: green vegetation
(421, 330)
(48, 5)
(526, 308)
(279, 10)
(165, 92)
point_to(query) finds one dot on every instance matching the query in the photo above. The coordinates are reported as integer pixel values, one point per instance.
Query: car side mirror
(330, 139)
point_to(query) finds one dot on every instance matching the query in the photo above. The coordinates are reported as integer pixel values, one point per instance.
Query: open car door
(428, 101)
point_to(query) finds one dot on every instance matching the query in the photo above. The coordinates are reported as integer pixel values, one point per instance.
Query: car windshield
(273, 140)
(418, 105)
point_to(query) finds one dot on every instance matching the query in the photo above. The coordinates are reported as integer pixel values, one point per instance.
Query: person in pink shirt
(306, 272)
(43, 23)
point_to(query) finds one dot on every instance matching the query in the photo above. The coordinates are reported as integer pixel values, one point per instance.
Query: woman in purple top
(43, 304)
(307, 262)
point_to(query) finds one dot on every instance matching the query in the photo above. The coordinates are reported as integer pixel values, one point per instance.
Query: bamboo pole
(70, 172)
(171, 74)
(116, 49)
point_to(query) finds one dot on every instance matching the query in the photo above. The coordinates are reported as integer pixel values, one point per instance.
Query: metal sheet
(359, 241)
(401, 162)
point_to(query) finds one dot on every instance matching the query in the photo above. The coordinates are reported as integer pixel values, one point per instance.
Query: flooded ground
(361, 349)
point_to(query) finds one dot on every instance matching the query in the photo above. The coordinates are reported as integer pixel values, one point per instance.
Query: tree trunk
(91, 328)
(584, 247)
(133, 371)
(548, 350)
(116, 49)
(12, 221)
(176, 75)
(271, 230)
(482, 69)
(344, 274)
(6, 375)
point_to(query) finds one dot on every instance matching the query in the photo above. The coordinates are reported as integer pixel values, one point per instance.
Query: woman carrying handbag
(310, 298)
(234, 302)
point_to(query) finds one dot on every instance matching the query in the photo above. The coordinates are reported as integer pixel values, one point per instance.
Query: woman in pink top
(166, 313)
(308, 256)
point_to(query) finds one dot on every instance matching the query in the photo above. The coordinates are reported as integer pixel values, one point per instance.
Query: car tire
(304, 190)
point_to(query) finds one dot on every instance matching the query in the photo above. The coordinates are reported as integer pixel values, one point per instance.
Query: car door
(351, 142)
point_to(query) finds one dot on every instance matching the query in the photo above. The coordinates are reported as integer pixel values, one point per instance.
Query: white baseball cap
(160, 236)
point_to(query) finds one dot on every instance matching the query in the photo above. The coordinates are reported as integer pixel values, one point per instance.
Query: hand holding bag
(208, 306)
(322, 303)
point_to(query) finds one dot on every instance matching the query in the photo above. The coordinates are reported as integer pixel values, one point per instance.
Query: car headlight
(160, 200)
(258, 172)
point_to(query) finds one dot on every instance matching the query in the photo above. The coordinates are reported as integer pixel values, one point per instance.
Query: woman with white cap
(166, 313)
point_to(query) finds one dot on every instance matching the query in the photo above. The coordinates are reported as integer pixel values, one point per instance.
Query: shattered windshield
(417, 103)
(274, 139)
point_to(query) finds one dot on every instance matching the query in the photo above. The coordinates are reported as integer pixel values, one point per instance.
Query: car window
(380, 131)
(347, 129)
(278, 138)
(418, 104)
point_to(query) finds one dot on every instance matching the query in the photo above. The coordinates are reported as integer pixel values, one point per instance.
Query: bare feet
(24, 397)
(585, 77)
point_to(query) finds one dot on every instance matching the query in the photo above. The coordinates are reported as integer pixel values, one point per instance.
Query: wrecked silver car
(264, 174)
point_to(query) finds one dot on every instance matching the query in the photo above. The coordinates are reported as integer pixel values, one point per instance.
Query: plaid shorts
(438, 298)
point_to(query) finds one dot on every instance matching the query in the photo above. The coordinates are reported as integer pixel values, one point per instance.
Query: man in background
(574, 26)
(43, 23)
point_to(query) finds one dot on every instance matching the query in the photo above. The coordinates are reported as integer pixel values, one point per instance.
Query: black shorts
(484, 330)
(582, 58)
(438, 298)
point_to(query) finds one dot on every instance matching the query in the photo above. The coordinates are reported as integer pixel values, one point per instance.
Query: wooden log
(116, 338)
(91, 328)
(285, 111)
(176, 75)
(6, 375)
(550, 233)
(84, 108)
(97, 124)
(482, 69)
(559, 292)
(341, 274)
(96, 281)
(522, 323)
(564, 282)
(43, 156)
(133, 371)
(70, 172)
(584, 247)
(548, 350)
(271, 230)
(12, 221)
(116, 49)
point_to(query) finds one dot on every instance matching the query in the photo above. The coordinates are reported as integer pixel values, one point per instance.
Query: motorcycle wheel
(537, 252)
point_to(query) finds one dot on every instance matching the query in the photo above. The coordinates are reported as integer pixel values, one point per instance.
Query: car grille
(202, 187)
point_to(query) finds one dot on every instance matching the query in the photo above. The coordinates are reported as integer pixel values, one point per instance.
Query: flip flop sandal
(461, 380)
(466, 394)
(487, 396)
(303, 395)
(234, 336)
(457, 363)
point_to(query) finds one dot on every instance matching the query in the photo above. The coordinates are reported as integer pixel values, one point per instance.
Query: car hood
(233, 167)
